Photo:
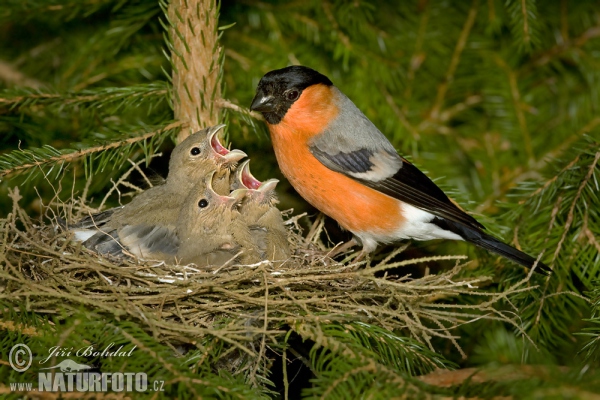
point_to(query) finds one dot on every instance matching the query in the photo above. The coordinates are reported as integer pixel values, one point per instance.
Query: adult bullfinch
(336, 159)
(264, 236)
(190, 162)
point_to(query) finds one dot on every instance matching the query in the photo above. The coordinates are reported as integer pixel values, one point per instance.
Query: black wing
(405, 182)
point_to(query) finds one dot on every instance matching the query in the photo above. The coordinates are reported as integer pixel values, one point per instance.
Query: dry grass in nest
(43, 269)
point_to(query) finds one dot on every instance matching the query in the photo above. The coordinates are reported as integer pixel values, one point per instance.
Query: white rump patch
(418, 226)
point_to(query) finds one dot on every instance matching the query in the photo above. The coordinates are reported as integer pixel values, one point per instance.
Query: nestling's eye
(195, 151)
(203, 203)
(292, 94)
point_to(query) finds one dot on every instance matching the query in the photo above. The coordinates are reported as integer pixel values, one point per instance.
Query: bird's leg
(317, 226)
(360, 256)
(342, 248)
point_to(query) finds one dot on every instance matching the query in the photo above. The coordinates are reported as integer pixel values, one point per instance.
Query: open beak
(268, 186)
(239, 180)
(208, 181)
(229, 156)
(230, 200)
(263, 103)
(248, 180)
(265, 194)
(234, 197)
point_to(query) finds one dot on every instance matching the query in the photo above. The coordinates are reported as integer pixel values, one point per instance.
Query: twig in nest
(135, 167)
(184, 304)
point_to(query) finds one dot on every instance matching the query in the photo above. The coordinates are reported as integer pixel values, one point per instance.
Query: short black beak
(263, 103)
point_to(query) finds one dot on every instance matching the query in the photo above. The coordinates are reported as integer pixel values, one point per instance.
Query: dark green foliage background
(497, 100)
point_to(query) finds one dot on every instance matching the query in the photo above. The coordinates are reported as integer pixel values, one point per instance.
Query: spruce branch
(228, 104)
(525, 15)
(243, 61)
(570, 215)
(336, 27)
(556, 216)
(400, 114)
(20, 160)
(414, 69)
(544, 57)
(592, 347)
(394, 351)
(346, 370)
(517, 105)
(417, 58)
(115, 97)
(519, 175)
(458, 50)
(17, 10)
(524, 23)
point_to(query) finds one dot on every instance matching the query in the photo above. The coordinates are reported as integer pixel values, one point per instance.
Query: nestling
(265, 237)
(190, 162)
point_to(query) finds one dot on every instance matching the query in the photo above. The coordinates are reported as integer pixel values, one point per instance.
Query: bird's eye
(203, 203)
(292, 94)
(195, 151)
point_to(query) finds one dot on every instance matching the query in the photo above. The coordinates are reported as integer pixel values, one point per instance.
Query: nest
(242, 305)
(247, 307)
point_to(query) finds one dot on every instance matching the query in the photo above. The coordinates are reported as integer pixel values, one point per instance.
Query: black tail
(492, 244)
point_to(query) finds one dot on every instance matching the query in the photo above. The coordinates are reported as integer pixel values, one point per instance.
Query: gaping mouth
(248, 180)
(217, 147)
(229, 200)
(258, 192)
(227, 155)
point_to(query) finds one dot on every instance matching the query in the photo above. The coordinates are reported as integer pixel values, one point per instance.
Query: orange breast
(354, 206)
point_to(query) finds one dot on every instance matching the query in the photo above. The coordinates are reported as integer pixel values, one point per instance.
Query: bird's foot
(357, 261)
(341, 248)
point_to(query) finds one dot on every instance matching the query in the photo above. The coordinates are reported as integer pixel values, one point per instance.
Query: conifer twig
(399, 113)
(460, 45)
(336, 27)
(547, 56)
(417, 57)
(571, 213)
(519, 174)
(224, 103)
(98, 95)
(81, 153)
(516, 98)
(526, 35)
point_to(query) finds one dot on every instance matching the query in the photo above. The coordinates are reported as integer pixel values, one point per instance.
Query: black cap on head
(279, 89)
